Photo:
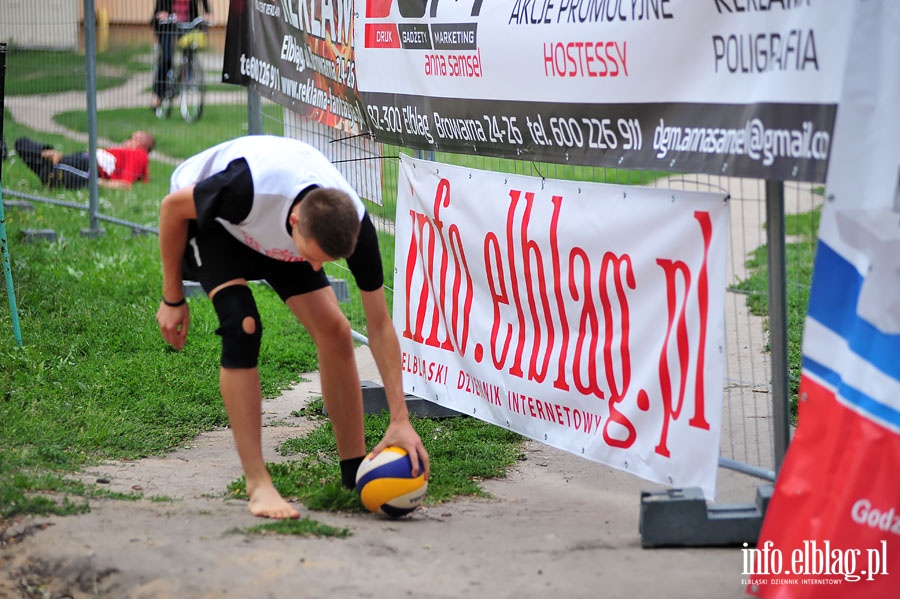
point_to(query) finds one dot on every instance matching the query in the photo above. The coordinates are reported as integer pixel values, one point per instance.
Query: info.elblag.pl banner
(587, 316)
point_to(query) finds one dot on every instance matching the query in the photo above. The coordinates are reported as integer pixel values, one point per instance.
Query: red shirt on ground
(131, 164)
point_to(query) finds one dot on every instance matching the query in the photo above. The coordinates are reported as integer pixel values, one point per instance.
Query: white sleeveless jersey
(281, 168)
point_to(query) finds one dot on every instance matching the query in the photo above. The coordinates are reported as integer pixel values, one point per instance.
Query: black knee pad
(234, 304)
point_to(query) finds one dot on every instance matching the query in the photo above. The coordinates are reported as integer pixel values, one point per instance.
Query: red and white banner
(587, 316)
(832, 529)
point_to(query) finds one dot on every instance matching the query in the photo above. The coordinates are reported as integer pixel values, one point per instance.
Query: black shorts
(213, 257)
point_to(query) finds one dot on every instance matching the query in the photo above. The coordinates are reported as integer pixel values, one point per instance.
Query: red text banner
(586, 316)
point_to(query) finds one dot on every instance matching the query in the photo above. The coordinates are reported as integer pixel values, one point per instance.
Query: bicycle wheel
(164, 110)
(165, 107)
(193, 88)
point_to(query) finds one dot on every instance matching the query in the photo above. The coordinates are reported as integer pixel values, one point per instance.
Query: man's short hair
(328, 216)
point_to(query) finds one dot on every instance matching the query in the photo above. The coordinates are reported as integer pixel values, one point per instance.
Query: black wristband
(180, 302)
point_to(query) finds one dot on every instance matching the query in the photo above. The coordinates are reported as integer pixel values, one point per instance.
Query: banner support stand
(682, 518)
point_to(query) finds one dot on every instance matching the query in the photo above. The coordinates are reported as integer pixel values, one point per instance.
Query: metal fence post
(90, 69)
(778, 325)
(4, 246)
(254, 113)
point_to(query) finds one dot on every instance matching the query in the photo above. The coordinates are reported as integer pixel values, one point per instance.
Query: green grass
(304, 527)
(94, 380)
(174, 137)
(138, 205)
(802, 230)
(462, 451)
(31, 72)
(176, 140)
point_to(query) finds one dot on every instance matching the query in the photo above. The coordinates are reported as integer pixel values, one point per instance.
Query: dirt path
(558, 526)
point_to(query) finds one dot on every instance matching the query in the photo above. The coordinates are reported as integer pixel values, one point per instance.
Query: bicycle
(184, 80)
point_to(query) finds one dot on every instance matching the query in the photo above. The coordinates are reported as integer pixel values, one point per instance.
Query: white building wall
(137, 12)
(57, 23)
(40, 24)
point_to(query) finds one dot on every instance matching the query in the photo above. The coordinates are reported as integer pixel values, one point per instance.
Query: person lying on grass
(118, 166)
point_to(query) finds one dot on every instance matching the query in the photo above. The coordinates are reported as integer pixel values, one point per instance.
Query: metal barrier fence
(756, 422)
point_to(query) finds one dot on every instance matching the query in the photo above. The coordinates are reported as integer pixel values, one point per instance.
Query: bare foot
(265, 502)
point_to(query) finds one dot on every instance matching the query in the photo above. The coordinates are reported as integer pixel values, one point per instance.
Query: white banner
(717, 86)
(717, 51)
(586, 316)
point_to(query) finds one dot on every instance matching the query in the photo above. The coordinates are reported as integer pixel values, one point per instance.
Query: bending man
(273, 208)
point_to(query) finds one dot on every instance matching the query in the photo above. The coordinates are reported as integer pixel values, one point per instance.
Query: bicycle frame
(184, 79)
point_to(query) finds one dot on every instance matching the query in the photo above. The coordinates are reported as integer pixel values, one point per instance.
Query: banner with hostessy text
(832, 529)
(587, 316)
(723, 87)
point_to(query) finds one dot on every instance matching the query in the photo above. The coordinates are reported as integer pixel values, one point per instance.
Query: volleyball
(386, 485)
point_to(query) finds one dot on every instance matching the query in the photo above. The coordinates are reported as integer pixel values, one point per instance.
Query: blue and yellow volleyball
(386, 485)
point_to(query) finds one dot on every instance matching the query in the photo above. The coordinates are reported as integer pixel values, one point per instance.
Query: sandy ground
(557, 526)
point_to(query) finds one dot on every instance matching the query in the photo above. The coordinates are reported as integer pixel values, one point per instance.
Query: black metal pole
(778, 324)
(254, 113)
(90, 69)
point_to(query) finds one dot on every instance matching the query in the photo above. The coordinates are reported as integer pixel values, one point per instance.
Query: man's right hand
(53, 156)
(175, 211)
(173, 323)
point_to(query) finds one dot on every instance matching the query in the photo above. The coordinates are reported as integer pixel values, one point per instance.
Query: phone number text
(531, 130)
